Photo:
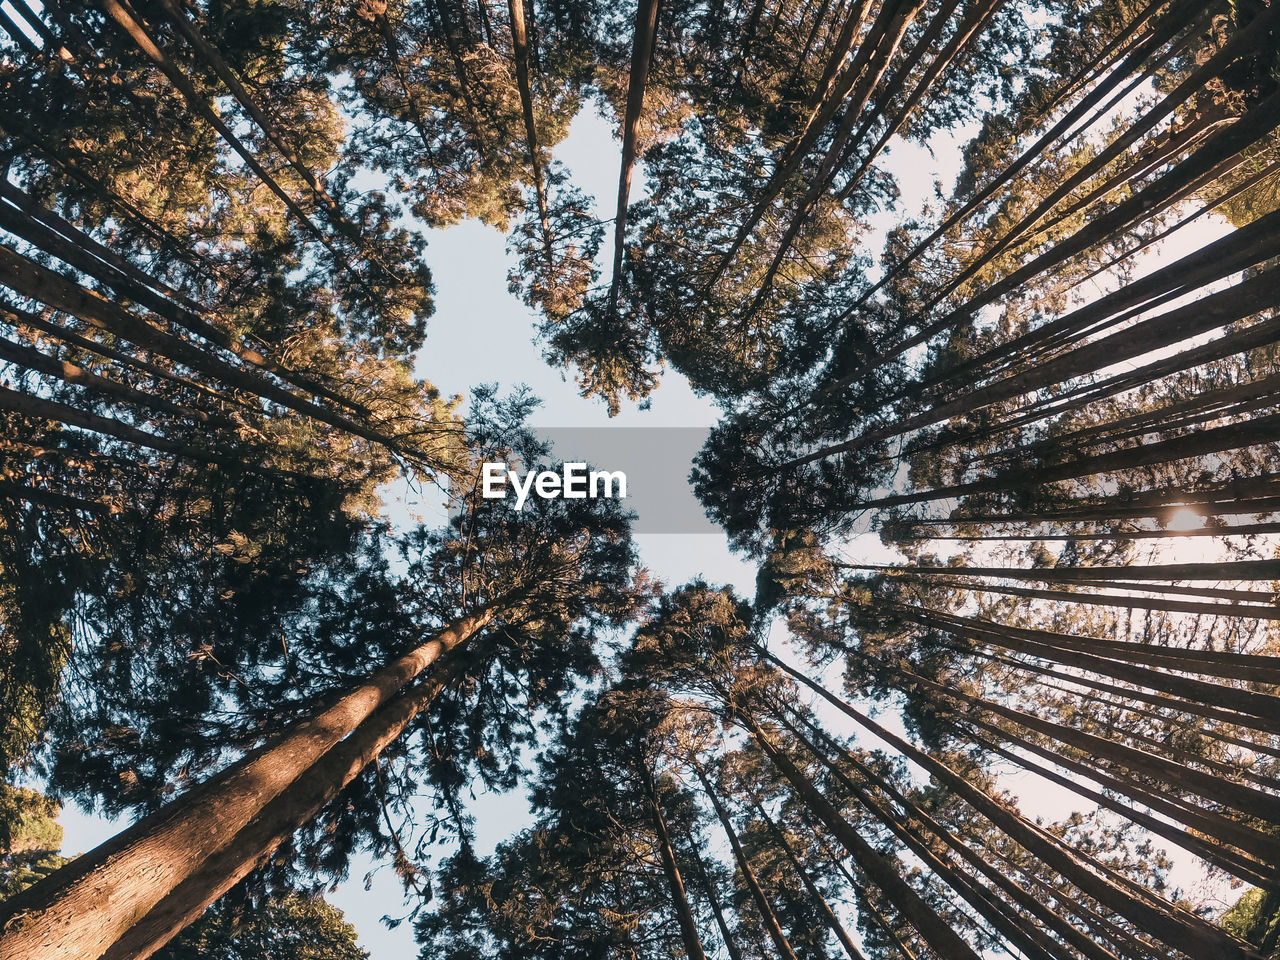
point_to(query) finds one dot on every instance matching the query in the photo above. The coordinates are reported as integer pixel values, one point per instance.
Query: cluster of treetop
(1053, 392)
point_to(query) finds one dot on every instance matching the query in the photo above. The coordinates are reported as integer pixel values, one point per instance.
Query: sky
(483, 334)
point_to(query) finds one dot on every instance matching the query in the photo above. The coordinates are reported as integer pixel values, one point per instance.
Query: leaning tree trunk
(933, 929)
(79, 911)
(767, 915)
(297, 805)
(709, 888)
(679, 896)
(1176, 927)
(642, 47)
(833, 922)
(520, 50)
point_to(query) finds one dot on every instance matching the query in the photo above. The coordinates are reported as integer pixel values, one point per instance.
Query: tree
(511, 585)
(297, 927)
(31, 841)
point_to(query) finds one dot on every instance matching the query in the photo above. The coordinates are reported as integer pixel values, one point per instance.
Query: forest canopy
(1002, 450)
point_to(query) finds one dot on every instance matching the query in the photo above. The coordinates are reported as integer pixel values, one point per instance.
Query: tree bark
(298, 804)
(79, 911)
(675, 882)
(1161, 919)
(642, 47)
(767, 915)
(932, 928)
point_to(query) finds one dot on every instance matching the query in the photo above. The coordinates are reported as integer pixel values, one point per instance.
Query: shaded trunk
(767, 915)
(675, 882)
(933, 929)
(642, 47)
(1174, 926)
(829, 915)
(520, 48)
(709, 888)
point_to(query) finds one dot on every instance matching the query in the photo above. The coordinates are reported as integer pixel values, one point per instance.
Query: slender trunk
(1238, 44)
(1133, 603)
(110, 390)
(933, 929)
(18, 35)
(1246, 799)
(147, 44)
(767, 915)
(891, 21)
(844, 143)
(1217, 310)
(709, 888)
(1239, 865)
(1129, 695)
(1127, 702)
(679, 898)
(520, 49)
(1256, 668)
(1214, 440)
(1028, 940)
(1226, 143)
(210, 55)
(1052, 920)
(1177, 17)
(51, 500)
(1235, 529)
(20, 319)
(969, 27)
(33, 406)
(30, 279)
(1175, 927)
(1237, 137)
(52, 233)
(833, 922)
(643, 44)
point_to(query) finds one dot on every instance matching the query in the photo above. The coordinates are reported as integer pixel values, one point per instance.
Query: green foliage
(30, 837)
(292, 927)
(1253, 916)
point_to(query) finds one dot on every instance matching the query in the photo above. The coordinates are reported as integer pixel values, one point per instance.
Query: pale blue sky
(483, 334)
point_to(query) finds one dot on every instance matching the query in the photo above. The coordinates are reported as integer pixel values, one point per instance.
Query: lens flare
(1184, 518)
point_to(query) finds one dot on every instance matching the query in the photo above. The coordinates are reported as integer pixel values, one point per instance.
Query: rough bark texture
(78, 912)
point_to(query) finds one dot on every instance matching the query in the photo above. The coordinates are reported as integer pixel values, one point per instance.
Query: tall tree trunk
(1247, 869)
(520, 48)
(675, 882)
(147, 44)
(833, 922)
(932, 928)
(30, 279)
(79, 911)
(1255, 668)
(643, 42)
(1175, 927)
(1030, 941)
(748, 875)
(709, 888)
(298, 804)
